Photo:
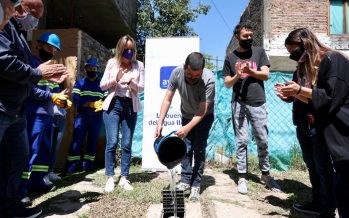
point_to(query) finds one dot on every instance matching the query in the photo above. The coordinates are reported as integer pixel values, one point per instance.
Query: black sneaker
(22, 212)
(307, 208)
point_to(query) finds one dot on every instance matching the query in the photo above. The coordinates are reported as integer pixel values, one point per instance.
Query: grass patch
(297, 162)
(148, 186)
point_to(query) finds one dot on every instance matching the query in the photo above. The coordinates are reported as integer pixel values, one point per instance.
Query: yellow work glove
(97, 105)
(69, 104)
(61, 100)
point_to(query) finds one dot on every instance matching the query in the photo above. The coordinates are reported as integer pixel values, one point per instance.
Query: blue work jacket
(16, 74)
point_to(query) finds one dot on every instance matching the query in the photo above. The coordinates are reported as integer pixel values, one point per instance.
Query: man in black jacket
(16, 78)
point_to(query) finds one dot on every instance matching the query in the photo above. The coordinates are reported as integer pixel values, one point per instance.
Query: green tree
(208, 62)
(162, 18)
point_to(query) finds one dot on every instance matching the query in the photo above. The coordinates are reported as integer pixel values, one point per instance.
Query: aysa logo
(165, 73)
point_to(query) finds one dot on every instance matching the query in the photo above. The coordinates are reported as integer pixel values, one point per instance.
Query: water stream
(173, 191)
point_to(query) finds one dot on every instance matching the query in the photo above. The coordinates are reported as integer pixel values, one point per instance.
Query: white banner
(162, 55)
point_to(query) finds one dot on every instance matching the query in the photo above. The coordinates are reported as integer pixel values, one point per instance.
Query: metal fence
(222, 144)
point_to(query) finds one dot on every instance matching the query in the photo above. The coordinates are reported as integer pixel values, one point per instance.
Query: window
(339, 23)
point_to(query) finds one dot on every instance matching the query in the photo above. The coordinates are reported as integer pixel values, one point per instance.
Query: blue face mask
(128, 54)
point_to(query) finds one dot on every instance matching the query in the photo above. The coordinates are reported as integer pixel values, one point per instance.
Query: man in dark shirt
(245, 69)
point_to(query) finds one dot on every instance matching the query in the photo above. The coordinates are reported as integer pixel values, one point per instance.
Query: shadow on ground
(143, 177)
(67, 180)
(296, 191)
(206, 182)
(68, 202)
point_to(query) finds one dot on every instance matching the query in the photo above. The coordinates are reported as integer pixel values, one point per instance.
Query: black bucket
(171, 150)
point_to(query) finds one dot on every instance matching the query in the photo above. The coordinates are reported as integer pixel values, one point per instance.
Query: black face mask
(91, 74)
(246, 43)
(297, 54)
(44, 55)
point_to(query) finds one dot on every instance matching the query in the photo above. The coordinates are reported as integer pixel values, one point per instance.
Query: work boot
(26, 201)
(20, 211)
(307, 208)
(53, 177)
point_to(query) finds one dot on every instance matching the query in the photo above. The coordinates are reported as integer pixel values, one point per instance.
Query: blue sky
(216, 28)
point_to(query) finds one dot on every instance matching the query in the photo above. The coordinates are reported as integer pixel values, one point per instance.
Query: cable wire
(220, 14)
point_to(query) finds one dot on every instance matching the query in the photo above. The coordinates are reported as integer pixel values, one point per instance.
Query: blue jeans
(120, 114)
(197, 138)
(321, 174)
(14, 154)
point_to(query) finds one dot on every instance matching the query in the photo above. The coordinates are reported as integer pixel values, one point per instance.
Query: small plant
(297, 162)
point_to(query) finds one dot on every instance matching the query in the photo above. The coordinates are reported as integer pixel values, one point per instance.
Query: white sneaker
(242, 186)
(53, 177)
(194, 194)
(125, 184)
(109, 186)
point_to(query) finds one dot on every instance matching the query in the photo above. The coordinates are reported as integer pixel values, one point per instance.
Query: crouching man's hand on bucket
(182, 132)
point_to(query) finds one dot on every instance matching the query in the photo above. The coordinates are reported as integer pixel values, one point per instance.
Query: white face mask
(28, 22)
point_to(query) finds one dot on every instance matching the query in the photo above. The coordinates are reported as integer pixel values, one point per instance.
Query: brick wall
(91, 48)
(283, 16)
(287, 15)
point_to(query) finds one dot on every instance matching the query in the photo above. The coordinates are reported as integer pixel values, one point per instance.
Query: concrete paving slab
(226, 210)
(192, 210)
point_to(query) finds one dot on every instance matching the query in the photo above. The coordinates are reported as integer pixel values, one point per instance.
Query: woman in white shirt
(123, 79)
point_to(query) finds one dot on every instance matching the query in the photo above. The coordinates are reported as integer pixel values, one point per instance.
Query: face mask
(246, 43)
(44, 55)
(297, 54)
(128, 54)
(91, 74)
(28, 22)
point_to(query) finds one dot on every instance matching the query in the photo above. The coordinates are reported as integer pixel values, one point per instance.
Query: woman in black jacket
(328, 72)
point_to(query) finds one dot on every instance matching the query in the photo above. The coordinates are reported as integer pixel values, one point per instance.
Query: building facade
(272, 20)
(87, 29)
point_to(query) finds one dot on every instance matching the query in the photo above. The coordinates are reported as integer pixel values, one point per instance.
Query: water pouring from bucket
(170, 150)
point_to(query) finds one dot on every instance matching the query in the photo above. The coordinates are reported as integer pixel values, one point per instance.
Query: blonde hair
(122, 45)
(313, 48)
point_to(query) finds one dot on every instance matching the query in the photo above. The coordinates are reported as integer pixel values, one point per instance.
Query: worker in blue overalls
(39, 113)
(88, 98)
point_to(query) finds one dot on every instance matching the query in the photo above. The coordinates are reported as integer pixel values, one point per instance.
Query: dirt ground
(82, 195)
